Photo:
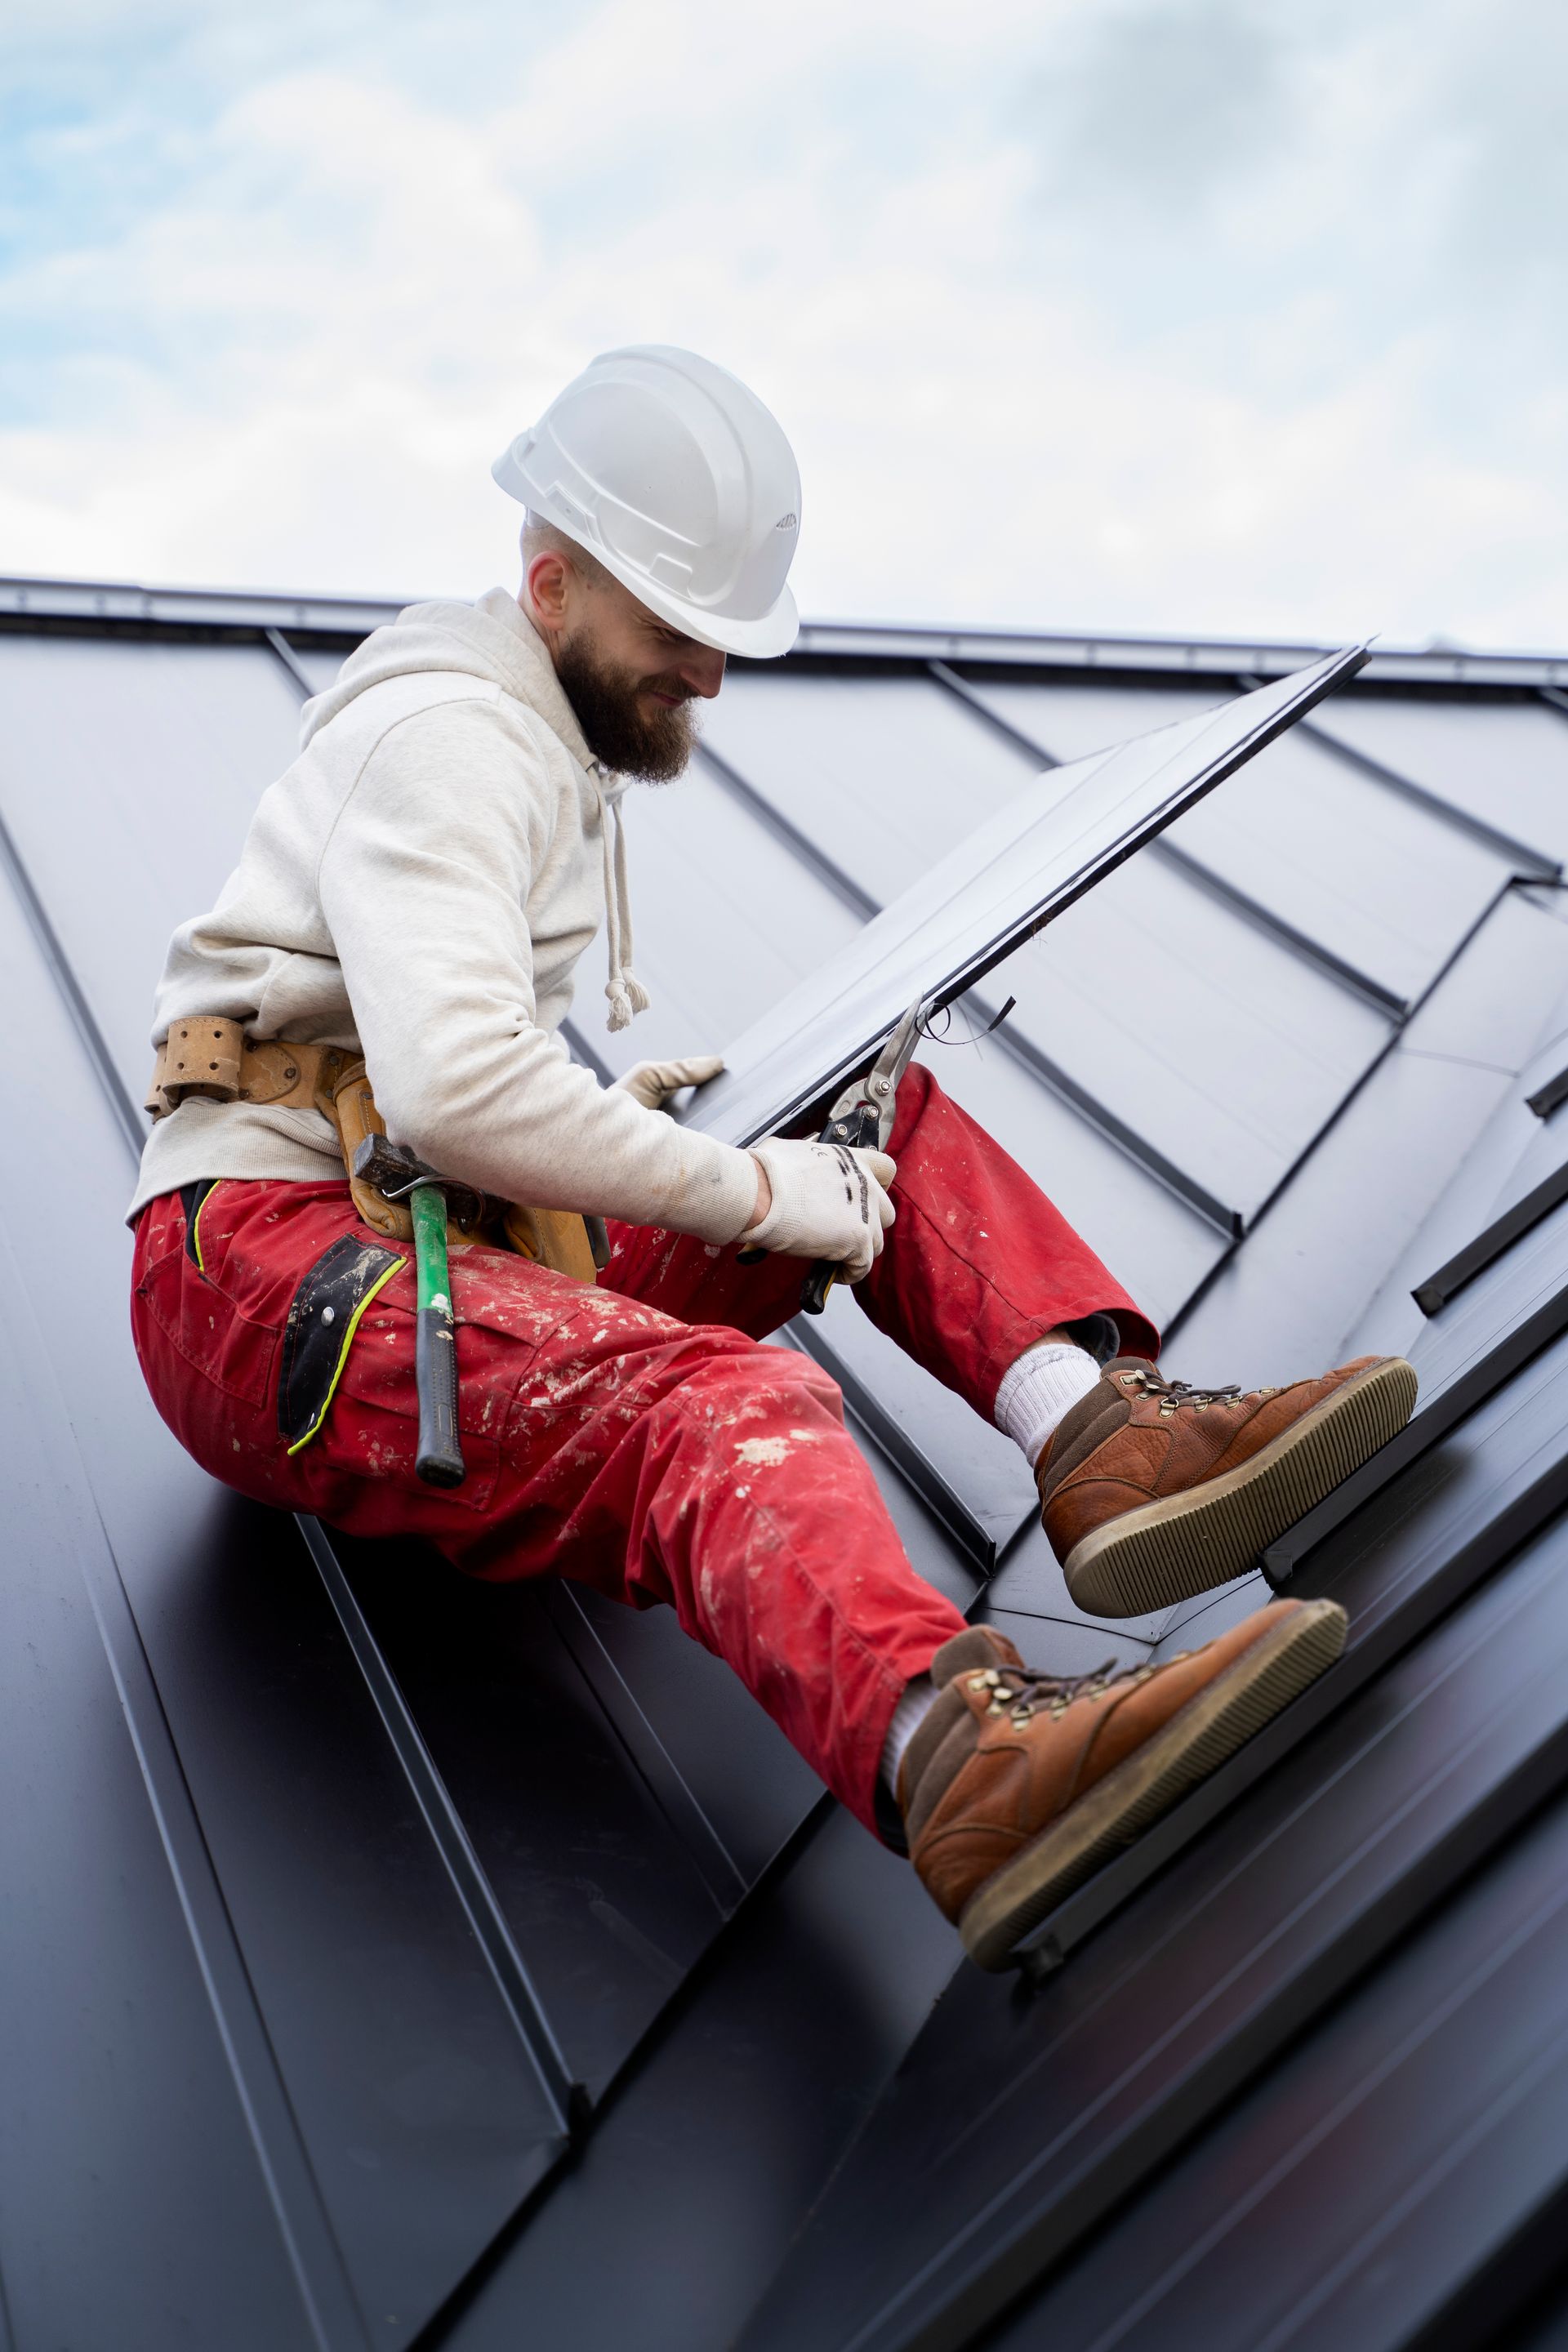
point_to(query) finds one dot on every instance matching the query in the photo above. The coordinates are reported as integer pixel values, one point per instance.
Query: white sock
(1040, 1390)
(908, 1716)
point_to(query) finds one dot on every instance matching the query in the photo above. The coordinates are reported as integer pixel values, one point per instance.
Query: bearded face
(639, 724)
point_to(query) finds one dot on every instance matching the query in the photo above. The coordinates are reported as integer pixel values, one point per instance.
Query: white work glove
(828, 1202)
(653, 1083)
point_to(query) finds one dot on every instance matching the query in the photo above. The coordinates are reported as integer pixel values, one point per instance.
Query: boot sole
(1251, 1691)
(1162, 1552)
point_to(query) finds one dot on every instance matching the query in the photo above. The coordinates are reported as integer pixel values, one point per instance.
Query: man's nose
(702, 670)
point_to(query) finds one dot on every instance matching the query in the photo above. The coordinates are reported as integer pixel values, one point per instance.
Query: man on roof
(395, 950)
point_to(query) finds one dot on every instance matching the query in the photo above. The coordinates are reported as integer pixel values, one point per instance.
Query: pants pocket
(323, 1317)
(201, 1321)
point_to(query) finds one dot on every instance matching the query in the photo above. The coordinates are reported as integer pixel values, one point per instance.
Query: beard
(654, 746)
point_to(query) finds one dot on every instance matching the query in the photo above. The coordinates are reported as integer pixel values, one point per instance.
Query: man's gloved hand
(653, 1083)
(827, 1202)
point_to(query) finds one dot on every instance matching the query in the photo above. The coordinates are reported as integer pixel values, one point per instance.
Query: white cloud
(1117, 316)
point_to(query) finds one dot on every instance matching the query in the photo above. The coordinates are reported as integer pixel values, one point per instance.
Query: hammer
(398, 1174)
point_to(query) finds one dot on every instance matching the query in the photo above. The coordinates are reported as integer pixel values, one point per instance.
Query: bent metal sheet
(1055, 840)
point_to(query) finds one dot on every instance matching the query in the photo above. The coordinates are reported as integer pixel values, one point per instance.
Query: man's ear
(549, 582)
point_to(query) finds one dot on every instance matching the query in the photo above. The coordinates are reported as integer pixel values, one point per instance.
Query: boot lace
(1017, 1692)
(1173, 1395)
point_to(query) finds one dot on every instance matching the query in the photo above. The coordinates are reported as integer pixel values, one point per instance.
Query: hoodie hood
(494, 639)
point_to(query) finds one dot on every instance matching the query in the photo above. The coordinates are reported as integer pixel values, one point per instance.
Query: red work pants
(634, 1436)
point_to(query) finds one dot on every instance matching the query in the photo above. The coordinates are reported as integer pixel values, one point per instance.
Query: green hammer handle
(439, 1461)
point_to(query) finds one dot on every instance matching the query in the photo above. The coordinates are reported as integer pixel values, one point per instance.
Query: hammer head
(390, 1169)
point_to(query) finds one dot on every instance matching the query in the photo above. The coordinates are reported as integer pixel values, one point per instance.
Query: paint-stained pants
(634, 1436)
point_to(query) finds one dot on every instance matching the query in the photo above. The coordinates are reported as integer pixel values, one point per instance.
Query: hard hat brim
(763, 639)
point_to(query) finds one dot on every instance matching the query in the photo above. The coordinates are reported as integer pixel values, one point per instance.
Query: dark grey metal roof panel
(1204, 1035)
(1544, 2327)
(1215, 1102)
(1509, 1159)
(128, 777)
(1353, 1212)
(319, 669)
(1029, 1585)
(611, 1882)
(700, 2172)
(1045, 847)
(135, 2204)
(1384, 884)
(892, 774)
(532, 1700)
(1399, 2180)
(1279, 831)
(110, 605)
(1505, 763)
(1519, 1282)
(1070, 720)
(1493, 1242)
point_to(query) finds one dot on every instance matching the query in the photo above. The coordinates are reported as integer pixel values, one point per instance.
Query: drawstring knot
(627, 996)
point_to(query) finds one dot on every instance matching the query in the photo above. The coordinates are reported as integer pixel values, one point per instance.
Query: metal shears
(862, 1119)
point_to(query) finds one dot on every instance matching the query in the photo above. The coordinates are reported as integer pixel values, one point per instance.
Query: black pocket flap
(322, 1317)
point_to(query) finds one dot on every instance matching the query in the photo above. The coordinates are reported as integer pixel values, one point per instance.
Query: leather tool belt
(212, 1058)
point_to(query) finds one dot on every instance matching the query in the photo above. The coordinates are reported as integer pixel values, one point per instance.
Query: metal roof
(394, 1960)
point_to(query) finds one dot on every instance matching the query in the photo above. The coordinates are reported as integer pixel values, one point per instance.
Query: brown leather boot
(1151, 1490)
(1016, 1786)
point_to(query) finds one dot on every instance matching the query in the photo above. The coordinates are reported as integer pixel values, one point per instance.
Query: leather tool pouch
(209, 1055)
(351, 1106)
(557, 1238)
(554, 1237)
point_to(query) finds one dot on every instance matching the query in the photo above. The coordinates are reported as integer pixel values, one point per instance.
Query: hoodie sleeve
(424, 883)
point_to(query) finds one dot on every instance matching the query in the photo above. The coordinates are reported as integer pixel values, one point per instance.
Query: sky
(1183, 317)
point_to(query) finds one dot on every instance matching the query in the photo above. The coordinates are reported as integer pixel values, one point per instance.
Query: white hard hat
(681, 482)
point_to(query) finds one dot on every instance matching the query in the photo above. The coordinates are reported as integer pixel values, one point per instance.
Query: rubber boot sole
(1162, 1552)
(1251, 1691)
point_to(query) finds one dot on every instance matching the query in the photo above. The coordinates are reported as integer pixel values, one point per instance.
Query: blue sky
(1167, 315)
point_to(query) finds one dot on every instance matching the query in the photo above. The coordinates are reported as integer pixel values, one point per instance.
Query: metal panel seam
(129, 1116)
(289, 659)
(1433, 1295)
(1541, 868)
(1200, 1291)
(1241, 902)
(292, 2190)
(1446, 1411)
(649, 1755)
(1020, 1049)
(567, 2097)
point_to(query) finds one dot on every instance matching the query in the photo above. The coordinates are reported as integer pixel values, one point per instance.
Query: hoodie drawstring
(625, 990)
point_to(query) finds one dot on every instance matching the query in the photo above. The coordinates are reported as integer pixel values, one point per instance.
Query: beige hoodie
(419, 886)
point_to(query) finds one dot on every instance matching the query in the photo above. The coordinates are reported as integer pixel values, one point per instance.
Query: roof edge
(110, 603)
